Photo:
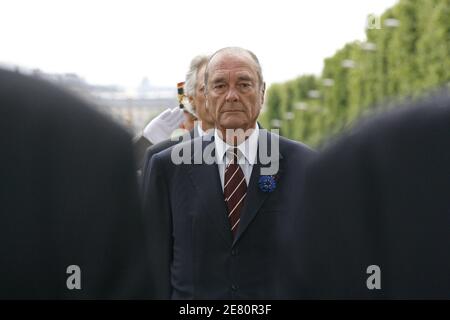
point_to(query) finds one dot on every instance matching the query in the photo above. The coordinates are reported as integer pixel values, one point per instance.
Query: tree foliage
(407, 56)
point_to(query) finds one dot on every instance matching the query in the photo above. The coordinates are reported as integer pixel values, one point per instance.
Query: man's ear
(263, 92)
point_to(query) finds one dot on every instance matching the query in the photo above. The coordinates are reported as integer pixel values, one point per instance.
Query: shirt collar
(248, 148)
(201, 132)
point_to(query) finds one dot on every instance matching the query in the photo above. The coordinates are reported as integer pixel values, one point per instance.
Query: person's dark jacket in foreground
(380, 198)
(68, 199)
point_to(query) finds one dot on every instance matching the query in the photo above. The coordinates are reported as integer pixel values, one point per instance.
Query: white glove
(161, 127)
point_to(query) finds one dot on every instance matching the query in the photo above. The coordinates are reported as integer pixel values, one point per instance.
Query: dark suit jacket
(68, 196)
(381, 196)
(154, 149)
(140, 146)
(194, 255)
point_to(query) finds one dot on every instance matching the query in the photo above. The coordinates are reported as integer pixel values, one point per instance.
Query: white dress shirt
(246, 154)
(201, 132)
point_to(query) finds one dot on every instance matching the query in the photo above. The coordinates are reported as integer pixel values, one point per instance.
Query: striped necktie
(235, 190)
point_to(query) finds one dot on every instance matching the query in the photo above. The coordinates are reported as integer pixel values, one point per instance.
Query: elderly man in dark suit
(194, 87)
(71, 226)
(215, 223)
(378, 209)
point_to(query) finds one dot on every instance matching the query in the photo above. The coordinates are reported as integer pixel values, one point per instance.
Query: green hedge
(397, 61)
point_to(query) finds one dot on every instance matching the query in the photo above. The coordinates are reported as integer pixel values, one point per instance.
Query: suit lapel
(255, 197)
(206, 180)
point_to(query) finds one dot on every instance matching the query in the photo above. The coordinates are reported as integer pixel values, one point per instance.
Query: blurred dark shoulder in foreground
(380, 196)
(67, 197)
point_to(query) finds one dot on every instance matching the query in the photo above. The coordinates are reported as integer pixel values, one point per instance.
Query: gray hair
(238, 50)
(191, 77)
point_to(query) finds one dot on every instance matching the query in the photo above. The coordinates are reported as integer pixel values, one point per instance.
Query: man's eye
(245, 85)
(219, 86)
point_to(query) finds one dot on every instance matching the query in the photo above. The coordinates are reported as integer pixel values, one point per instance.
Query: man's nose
(232, 95)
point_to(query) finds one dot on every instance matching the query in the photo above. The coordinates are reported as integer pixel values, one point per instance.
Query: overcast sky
(120, 42)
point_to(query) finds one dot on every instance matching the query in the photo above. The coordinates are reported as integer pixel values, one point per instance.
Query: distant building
(132, 109)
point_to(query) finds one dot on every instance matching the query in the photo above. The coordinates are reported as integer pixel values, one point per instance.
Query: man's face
(234, 96)
(198, 100)
(188, 122)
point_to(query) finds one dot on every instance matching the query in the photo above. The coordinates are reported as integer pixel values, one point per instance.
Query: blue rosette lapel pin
(267, 183)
